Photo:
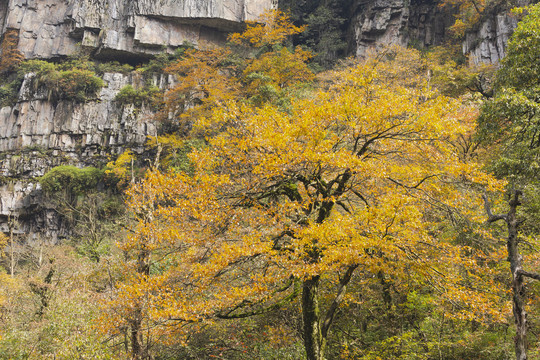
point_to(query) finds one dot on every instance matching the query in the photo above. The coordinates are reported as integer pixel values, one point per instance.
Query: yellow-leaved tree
(283, 202)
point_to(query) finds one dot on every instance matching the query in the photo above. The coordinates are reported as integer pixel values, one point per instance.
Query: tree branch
(338, 299)
(414, 186)
(528, 274)
(491, 217)
(229, 314)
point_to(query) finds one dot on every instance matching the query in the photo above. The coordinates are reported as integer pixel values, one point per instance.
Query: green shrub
(8, 94)
(149, 95)
(113, 67)
(78, 84)
(72, 179)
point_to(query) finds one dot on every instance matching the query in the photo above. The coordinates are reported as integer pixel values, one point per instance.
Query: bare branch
(491, 217)
(414, 186)
(528, 274)
(338, 299)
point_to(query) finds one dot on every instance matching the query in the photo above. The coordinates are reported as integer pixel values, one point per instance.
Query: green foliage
(175, 151)
(90, 214)
(77, 84)
(164, 59)
(453, 76)
(112, 67)
(521, 67)
(72, 179)
(511, 119)
(326, 29)
(9, 93)
(324, 34)
(65, 331)
(148, 95)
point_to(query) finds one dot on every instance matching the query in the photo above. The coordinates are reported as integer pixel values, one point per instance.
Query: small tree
(10, 56)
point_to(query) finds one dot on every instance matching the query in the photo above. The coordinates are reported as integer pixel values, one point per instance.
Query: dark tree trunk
(135, 335)
(516, 268)
(312, 319)
(518, 288)
(316, 329)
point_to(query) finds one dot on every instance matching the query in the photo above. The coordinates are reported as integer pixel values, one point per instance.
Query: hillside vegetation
(384, 208)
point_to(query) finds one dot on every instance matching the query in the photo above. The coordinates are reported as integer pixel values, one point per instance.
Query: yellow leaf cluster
(272, 28)
(120, 169)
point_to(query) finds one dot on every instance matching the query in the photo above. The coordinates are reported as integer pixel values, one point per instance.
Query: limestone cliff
(424, 23)
(487, 44)
(129, 28)
(38, 134)
(384, 22)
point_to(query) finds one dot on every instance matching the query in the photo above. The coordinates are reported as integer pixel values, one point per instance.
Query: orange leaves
(358, 173)
(10, 55)
(203, 82)
(210, 78)
(272, 28)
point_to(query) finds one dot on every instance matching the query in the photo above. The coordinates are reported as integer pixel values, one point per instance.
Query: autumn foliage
(10, 55)
(293, 203)
(280, 213)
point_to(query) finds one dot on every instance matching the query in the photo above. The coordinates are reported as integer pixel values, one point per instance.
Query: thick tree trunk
(136, 343)
(312, 319)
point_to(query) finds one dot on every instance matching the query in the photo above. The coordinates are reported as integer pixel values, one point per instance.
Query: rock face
(38, 134)
(385, 22)
(36, 122)
(129, 28)
(423, 23)
(488, 43)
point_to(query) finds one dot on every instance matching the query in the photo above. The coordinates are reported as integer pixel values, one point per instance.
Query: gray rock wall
(400, 22)
(67, 126)
(423, 23)
(53, 28)
(3, 14)
(37, 135)
(488, 43)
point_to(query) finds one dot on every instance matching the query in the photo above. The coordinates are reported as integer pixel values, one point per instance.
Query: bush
(113, 67)
(8, 94)
(69, 178)
(149, 95)
(78, 84)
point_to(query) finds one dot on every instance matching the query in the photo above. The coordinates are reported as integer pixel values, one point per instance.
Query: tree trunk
(11, 248)
(136, 343)
(138, 351)
(518, 288)
(312, 319)
(516, 267)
